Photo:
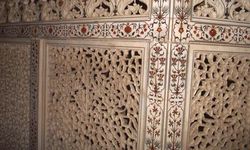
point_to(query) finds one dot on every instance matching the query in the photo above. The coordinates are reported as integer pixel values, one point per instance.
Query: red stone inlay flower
(159, 29)
(84, 29)
(212, 32)
(127, 29)
(50, 30)
(181, 30)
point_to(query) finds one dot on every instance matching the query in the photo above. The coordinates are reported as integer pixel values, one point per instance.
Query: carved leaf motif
(122, 5)
(91, 6)
(52, 10)
(30, 11)
(222, 9)
(14, 14)
(218, 6)
(209, 8)
(3, 12)
(243, 14)
(49, 11)
(71, 9)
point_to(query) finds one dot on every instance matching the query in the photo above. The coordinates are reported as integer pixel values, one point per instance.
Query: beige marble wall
(14, 95)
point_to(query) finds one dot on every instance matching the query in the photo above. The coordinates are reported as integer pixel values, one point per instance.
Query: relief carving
(209, 8)
(14, 13)
(30, 11)
(72, 9)
(222, 9)
(54, 10)
(96, 8)
(94, 96)
(115, 8)
(219, 106)
(3, 12)
(240, 10)
(49, 10)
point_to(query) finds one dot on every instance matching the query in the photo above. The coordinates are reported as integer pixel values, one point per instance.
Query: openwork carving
(54, 10)
(219, 108)
(223, 9)
(14, 96)
(94, 97)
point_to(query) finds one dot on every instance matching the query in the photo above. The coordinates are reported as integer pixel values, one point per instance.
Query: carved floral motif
(53, 10)
(223, 9)
(3, 12)
(14, 13)
(29, 11)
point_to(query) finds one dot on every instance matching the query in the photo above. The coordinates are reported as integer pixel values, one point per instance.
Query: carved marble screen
(94, 94)
(218, 106)
(15, 96)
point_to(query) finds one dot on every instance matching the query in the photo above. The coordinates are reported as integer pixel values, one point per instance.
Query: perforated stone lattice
(219, 117)
(94, 98)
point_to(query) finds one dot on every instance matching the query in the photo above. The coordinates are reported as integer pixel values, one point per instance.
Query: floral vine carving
(54, 10)
(3, 12)
(223, 9)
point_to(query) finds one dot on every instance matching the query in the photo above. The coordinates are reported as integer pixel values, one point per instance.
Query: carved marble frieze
(94, 97)
(15, 95)
(14, 11)
(231, 10)
(219, 99)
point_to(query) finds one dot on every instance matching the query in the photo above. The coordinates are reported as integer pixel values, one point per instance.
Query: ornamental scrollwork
(3, 12)
(55, 10)
(14, 13)
(241, 10)
(30, 11)
(222, 9)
